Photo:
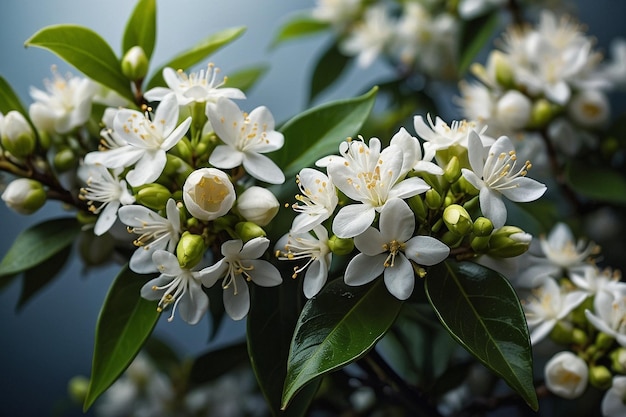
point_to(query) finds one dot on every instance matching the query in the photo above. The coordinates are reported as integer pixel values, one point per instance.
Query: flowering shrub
(375, 256)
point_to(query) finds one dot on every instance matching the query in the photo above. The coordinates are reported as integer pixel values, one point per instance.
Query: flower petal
(426, 250)
(492, 207)
(262, 168)
(353, 219)
(148, 168)
(314, 278)
(194, 303)
(363, 269)
(237, 304)
(225, 157)
(397, 221)
(526, 189)
(400, 278)
(264, 273)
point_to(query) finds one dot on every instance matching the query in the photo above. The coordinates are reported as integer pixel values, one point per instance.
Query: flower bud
(566, 375)
(340, 246)
(183, 150)
(417, 206)
(457, 219)
(433, 199)
(453, 170)
(153, 196)
(513, 110)
(589, 108)
(258, 205)
(208, 193)
(135, 63)
(480, 243)
(542, 113)
(249, 230)
(579, 337)
(482, 226)
(17, 136)
(562, 333)
(190, 250)
(618, 360)
(77, 388)
(604, 341)
(508, 242)
(24, 195)
(65, 160)
(500, 67)
(600, 377)
(451, 239)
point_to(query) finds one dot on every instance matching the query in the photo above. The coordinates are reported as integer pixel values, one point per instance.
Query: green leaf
(87, 51)
(126, 320)
(336, 327)
(39, 243)
(317, 132)
(596, 182)
(330, 66)
(298, 27)
(476, 34)
(9, 100)
(481, 311)
(246, 78)
(36, 278)
(218, 362)
(141, 28)
(199, 52)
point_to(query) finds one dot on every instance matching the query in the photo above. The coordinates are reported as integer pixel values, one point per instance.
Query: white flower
(613, 404)
(388, 251)
(498, 175)
(208, 193)
(615, 69)
(156, 233)
(370, 36)
(413, 154)
(318, 198)
(609, 314)
(177, 286)
(66, 104)
(199, 87)
(566, 375)
(469, 9)
(337, 12)
(240, 264)
(547, 305)
(147, 141)
(371, 177)
(246, 137)
(592, 280)
(258, 205)
(513, 110)
(105, 188)
(294, 246)
(589, 108)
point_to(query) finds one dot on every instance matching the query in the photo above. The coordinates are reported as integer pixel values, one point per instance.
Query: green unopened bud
(541, 113)
(500, 66)
(340, 246)
(77, 388)
(562, 333)
(466, 187)
(135, 63)
(433, 199)
(451, 239)
(600, 377)
(417, 205)
(249, 230)
(65, 160)
(183, 150)
(579, 337)
(618, 360)
(577, 316)
(190, 250)
(482, 227)
(604, 341)
(453, 170)
(24, 195)
(153, 196)
(17, 136)
(508, 241)
(457, 219)
(480, 243)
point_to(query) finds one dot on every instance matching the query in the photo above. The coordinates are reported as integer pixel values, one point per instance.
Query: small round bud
(340, 246)
(208, 193)
(453, 170)
(153, 196)
(183, 150)
(65, 160)
(135, 63)
(417, 206)
(513, 109)
(433, 199)
(190, 250)
(480, 243)
(562, 333)
(600, 377)
(451, 239)
(579, 337)
(604, 341)
(17, 136)
(508, 242)
(500, 67)
(589, 108)
(618, 360)
(77, 388)
(566, 375)
(457, 219)
(542, 113)
(24, 195)
(249, 230)
(482, 226)
(258, 205)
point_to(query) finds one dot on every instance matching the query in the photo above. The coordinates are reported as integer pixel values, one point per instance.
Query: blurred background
(48, 340)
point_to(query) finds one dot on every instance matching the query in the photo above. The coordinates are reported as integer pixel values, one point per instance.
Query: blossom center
(500, 171)
(393, 248)
(210, 192)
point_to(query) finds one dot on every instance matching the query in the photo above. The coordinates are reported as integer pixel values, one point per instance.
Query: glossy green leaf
(329, 67)
(216, 363)
(336, 327)
(317, 132)
(597, 182)
(476, 34)
(298, 27)
(87, 51)
(9, 100)
(38, 277)
(126, 320)
(141, 28)
(481, 311)
(270, 324)
(197, 53)
(246, 78)
(39, 243)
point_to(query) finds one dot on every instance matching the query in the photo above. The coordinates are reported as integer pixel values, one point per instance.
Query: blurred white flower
(319, 200)
(469, 9)
(314, 246)
(339, 13)
(246, 137)
(24, 195)
(497, 174)
(239, 265)
(615, 69)
(177, 286)
(387, 251)
(609, 315)
(64, 106)
(589, 108)
(156, 233)
(413, 154)
(369, 37)
(208, 193)
(566, 375)
(613, 404)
